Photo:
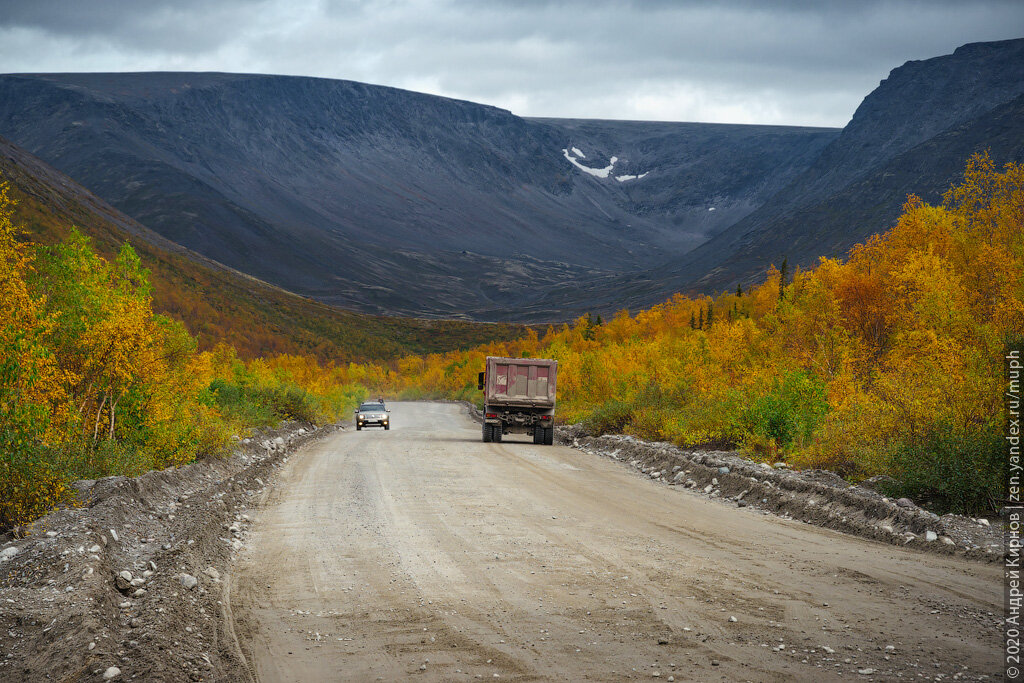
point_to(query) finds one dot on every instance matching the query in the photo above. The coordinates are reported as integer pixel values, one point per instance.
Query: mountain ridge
(378, 199)
(217, 303)
(338, 190)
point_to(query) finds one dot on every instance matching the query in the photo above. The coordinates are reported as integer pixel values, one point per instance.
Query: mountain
(911, 135)
(384, 200)
(218, 303)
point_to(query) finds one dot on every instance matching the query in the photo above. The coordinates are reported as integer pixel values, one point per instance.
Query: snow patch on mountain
(596, 172)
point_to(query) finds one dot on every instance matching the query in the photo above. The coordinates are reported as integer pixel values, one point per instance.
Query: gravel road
(422, 551)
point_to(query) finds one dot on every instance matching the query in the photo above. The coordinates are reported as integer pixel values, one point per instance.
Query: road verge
(818, 497)
(132, 584)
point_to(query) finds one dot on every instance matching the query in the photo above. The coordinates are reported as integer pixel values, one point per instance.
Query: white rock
(655, 474)
(827, 649)
(188, 581)
(930, 536)
(113, 535)
(7, 553)
(733, 619)
(709, 488)
(111, 673)
(126, 575)
(983, 522)
(212, 573)
(139, 593)
(51, 534)
(865, 672)
(95, 548)
(886, 528)
(948, 541)
(138, 581)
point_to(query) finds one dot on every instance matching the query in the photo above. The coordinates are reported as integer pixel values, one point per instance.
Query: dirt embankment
(816, 497)
(131, 584)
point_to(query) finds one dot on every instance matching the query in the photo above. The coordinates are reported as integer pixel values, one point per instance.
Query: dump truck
(519, 398)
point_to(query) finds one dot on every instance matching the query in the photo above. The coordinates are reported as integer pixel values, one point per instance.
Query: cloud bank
(741, 61)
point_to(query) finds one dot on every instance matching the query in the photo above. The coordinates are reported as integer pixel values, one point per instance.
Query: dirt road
(423, 552)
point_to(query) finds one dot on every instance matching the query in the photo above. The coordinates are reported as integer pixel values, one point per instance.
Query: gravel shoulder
(424, 552)
(68, 614)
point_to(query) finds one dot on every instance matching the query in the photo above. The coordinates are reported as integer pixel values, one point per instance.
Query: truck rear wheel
(538, 435)
(487, 433)
(496, 433)
(549, 436)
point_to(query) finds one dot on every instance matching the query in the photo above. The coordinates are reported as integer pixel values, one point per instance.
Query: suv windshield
(371, 407)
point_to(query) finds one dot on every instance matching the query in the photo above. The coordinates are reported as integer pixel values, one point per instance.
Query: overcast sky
(743, 61)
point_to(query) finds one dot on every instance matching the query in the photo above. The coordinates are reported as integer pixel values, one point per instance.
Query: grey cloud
(796, 61)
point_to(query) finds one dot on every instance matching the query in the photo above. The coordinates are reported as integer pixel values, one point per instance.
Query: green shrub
(642, 412)
(789, 412)
(951, 472)
(611, 417)
(264, 405)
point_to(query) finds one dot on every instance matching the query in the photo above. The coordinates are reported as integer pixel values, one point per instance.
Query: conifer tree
(783, 275)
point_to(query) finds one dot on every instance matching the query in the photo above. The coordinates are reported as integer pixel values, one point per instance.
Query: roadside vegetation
(889, 362)
(94, 383)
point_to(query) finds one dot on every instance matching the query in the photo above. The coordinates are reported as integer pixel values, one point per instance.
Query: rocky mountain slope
(215, 302)
(912, 134)
(386, 200)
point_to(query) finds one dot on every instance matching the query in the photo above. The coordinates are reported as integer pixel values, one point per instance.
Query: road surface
(422, 551)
